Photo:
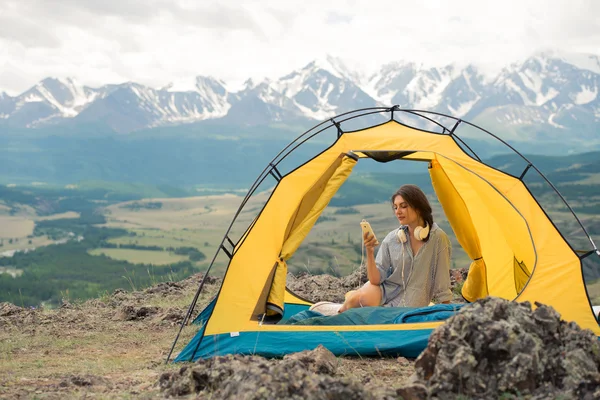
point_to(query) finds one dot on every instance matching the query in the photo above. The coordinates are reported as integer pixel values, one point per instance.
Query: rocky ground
(115, 347)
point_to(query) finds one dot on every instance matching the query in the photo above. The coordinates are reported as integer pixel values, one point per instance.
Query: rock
(403, 361)
(458, 275)
(329, 288)
(171, 315)
(133, 313)
(319, 360)
(495, 347)
(8, 309)
(252, 377)
(82, 381)
(414, 391)
(165, 288)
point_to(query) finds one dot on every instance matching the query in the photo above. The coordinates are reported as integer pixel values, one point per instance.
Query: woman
(413, 262)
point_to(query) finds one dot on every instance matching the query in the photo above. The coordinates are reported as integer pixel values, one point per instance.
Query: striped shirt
(426, 275)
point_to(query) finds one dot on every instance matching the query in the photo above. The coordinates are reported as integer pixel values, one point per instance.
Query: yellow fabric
(290, 298)
(311, 197)
(330, 188)
(475, 287)
(507, 220)
(276, 297)
(308, 212)
(522, 275)
(502, 230)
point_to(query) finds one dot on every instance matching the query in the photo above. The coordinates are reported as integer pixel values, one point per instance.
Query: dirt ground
(116, 346)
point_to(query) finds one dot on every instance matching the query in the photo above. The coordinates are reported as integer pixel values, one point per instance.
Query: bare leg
(368, 295)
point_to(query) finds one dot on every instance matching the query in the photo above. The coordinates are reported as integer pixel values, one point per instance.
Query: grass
(140, 256)
(11, 271)
(16, 231)
(89, 339)
(83, 353)
(156, 237)
(332, 246)
(198, 222)
(201, 222)
(69, 214)
(15, 227)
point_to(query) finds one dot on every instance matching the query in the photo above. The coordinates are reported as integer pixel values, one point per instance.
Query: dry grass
(199, 213)
(89, 350)
(201, 222)
(69, 214)
(20, 227)
(140, 256)
(15, 227)
(44, 352)
(23, 243)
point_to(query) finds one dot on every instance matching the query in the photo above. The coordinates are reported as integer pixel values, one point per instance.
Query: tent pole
(188, 314)
(195, 300)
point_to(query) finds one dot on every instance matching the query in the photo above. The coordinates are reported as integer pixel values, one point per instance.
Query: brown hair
(415, 198)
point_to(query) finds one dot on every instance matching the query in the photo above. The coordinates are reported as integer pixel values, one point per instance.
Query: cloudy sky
(155, 42)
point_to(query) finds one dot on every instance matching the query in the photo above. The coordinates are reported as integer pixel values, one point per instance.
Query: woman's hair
(415, 198)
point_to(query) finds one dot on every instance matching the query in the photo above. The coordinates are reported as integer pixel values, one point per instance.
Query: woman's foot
(326, 307)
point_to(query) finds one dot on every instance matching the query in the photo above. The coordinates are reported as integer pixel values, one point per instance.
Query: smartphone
(366, 227)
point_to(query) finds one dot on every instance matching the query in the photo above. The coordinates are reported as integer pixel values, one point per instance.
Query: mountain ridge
(546, 91)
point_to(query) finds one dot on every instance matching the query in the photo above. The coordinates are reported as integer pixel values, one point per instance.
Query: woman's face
(406, 214)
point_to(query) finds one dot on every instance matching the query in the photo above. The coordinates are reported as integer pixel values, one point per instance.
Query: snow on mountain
(50, 100)
(323, 89)
(65, 95)
(560, 91)
(462, 93)
(132, 106)
(260, 103)
(391, 79)
(586, 95)
(416, 86)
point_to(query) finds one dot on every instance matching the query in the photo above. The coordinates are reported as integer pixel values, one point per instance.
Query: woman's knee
(370, 296)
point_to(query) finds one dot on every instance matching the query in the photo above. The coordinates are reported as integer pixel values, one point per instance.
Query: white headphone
(419, 234)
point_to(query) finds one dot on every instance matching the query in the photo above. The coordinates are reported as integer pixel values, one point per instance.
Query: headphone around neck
(419, 234)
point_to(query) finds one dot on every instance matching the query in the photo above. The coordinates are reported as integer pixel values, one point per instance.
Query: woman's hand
(370, 241)
(372, 272)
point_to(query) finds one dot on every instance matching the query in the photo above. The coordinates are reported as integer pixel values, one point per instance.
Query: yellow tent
(517, 251)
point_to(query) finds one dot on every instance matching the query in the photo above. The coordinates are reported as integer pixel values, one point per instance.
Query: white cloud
(157, 41)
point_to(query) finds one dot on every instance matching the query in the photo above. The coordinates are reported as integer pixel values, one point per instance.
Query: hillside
(138, 234)
(227, 161)
(115, 346)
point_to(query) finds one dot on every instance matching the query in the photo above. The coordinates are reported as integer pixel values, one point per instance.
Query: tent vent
(386, 156)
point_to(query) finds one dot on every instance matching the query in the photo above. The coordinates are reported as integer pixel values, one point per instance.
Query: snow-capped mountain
(543, 91)
(552, 92)
(131, 106)
(48, 101)
(323, 89)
